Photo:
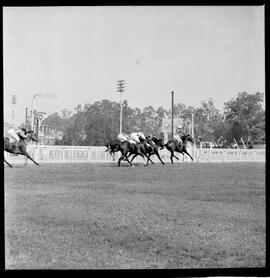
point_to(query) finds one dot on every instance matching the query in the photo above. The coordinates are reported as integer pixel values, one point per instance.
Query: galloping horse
(113, 147)
(127, 149)
(173, 146)
(20, 148)
(151, 147)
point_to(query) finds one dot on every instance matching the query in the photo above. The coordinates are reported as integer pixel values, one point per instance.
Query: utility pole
(120, 89)
(172, 113)
(26, 116)
(192, 123)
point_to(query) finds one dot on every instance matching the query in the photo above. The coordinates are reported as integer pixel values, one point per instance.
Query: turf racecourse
(99, 216)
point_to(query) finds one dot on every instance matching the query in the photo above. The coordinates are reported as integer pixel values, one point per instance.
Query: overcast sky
(78, 53)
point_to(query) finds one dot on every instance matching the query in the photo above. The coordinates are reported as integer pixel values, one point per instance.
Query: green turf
(99, 216)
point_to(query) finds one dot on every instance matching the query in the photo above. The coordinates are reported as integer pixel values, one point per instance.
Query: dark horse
(113, 147)
(127, 148)
(173, 146)
(20, 148)
(151, 147)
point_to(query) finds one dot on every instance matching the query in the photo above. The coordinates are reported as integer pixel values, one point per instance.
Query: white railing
(230, 155)
(85, 154)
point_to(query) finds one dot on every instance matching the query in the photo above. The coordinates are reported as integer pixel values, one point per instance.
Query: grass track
(99, 216)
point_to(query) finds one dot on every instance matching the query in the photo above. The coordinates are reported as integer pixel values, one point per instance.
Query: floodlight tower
(120, 89)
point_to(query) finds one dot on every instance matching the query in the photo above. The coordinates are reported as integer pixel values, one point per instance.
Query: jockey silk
(122, 137)
(14, 133)
(177, 138)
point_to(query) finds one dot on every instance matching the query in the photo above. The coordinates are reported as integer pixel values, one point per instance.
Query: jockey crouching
(14, 134)
(123, 137)
(149, 139)
(135, 137)
(177, 139)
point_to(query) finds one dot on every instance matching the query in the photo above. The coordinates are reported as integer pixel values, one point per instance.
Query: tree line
(98, 123)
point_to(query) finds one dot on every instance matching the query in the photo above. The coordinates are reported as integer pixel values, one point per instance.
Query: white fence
(84, 154)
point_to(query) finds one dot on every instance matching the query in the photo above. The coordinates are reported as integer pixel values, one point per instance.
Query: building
(48, 135)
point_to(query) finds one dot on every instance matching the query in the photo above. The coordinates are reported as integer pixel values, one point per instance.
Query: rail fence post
(88, 154)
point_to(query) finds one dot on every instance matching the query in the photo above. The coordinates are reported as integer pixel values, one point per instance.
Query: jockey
(149, 138)
(123, 137)
(140, 134)
(177, 138)
(14, 134)
(135, 136)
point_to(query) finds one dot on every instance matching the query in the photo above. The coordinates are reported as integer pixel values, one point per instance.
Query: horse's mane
(156, 140)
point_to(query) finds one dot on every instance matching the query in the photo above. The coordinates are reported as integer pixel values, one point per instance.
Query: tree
(74, 131)
(56, 121)
(245, 116)
(207, 121)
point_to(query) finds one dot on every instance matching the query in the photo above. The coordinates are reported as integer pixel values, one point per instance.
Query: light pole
(192, 123)
(121, 89)
(172, 113)
(32, 106)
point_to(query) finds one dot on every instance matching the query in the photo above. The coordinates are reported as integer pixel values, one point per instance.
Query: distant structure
(49, 135)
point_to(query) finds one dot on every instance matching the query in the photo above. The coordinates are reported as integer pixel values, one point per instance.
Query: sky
(60, 57)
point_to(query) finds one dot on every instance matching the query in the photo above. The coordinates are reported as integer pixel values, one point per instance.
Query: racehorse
(173, 146)
(20, 148)
(127, 149)
(113, 147)
(151, 147)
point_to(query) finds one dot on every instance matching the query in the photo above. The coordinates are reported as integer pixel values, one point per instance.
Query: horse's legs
(119, 160)
(171, 157)
(133, 156)
(148, 157)
(140, 154)
(185, 151)
(157, 154)
(129, 162)
(28, 156)
(124, 157)
(183, 156)
(112, 154)
(8, 163)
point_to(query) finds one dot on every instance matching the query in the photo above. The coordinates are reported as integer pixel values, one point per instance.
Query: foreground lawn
(99, 216)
